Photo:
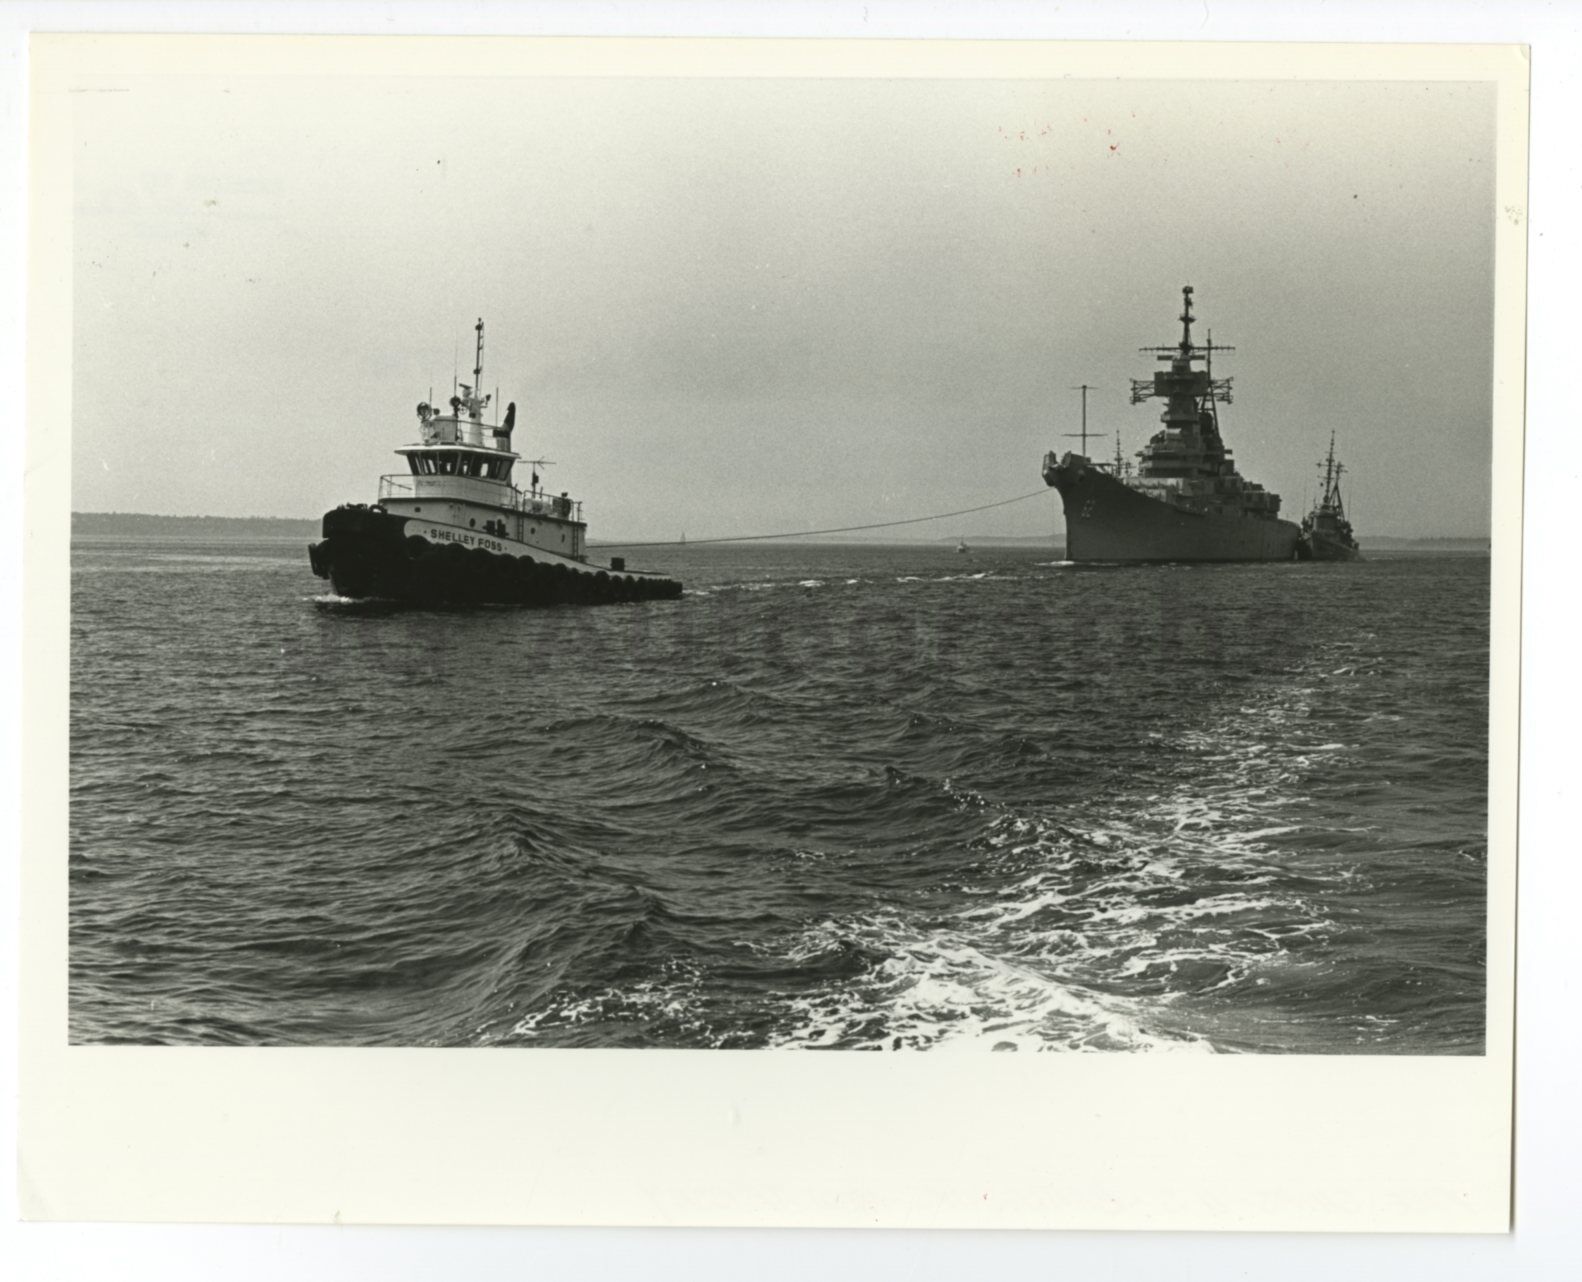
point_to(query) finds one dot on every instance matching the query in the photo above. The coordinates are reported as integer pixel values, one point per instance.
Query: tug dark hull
(1109, 521)
(367, 553)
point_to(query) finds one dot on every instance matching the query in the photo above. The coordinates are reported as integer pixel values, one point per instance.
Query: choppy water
(870, 797)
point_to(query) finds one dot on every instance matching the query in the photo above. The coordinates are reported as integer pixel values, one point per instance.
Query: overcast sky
(737, 306)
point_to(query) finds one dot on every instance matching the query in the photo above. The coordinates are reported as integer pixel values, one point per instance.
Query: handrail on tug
(499, 493)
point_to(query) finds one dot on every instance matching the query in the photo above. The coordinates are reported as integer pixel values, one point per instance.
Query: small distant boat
(1326, 532)
(455, 529)
(961, 546)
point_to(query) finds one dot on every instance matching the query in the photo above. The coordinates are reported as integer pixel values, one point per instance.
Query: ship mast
(467, 396)
(1084, 433)
(1183, 388)
(474, 406)
(1331, 502)
(1208, 368)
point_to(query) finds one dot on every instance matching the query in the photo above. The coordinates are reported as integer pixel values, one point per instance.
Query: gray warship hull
(1107, 520)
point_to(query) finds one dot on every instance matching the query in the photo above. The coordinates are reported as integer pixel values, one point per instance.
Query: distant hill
(1004, 540)
(1383, 542)
(139, 525)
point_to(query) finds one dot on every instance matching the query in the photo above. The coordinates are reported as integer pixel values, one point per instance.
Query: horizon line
(789, 538)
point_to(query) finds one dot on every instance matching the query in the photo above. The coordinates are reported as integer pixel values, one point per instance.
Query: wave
(940, 988)
(854, 797)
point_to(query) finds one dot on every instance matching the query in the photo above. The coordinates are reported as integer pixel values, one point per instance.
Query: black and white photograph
(874, 565)
(1003, 558)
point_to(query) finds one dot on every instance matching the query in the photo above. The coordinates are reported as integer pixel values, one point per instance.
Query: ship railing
(479, 489)
(540, 503)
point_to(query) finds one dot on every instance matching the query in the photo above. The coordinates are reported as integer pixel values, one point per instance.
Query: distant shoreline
(134, 525)
(142, 525)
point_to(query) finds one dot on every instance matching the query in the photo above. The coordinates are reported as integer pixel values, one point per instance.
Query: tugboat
(454, 529)
(1326, 533)
(1186, 500)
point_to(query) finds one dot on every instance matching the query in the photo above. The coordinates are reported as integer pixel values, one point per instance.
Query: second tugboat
(455, 529)
(1186, 500)
(1326, 533)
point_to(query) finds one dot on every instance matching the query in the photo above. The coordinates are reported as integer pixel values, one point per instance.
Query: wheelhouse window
(458, 463)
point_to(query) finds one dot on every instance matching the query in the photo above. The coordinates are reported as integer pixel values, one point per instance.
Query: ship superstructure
(1326, 530)
(1186, 501)
(455, 527)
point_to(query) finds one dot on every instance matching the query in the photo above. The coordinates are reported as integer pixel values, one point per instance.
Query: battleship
(454, 528)
(1185, 501)
(1326, 532)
